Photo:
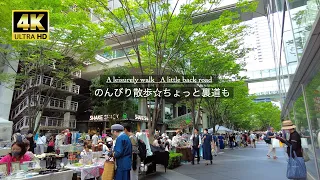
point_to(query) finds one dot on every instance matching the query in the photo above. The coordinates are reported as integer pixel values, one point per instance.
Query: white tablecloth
(65, 175)
(87, 172)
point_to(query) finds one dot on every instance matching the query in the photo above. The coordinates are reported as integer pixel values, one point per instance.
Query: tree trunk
(198, 115)
(193, 116)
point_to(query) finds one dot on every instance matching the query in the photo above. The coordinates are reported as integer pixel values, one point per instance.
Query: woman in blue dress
(206, 146)
(221, 144)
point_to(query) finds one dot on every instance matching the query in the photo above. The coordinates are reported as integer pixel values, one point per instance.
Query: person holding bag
(296, 168)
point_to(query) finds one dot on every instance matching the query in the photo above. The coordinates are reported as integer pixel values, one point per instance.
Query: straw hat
(287, 124)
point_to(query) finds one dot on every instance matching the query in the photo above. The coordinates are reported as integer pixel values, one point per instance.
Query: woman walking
(207, 144)
(221, 143)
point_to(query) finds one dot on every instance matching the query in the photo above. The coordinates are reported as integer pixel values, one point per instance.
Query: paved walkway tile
(238, 164)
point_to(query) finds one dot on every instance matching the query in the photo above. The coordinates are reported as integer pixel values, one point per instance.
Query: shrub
(174, 160)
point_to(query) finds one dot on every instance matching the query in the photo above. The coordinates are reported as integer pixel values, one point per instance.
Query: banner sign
(141, 118)
(105, 117)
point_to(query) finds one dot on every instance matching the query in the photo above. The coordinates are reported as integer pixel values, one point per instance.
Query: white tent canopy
(220, 129)
(5, 129)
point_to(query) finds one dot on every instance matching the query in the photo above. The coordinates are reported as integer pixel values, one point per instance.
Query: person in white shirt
(86, 149)
(195, 145)
(95, 139)
(59, 140)
(253, 140)
(41, 141)
(87, 137)
(105, 149)
(176, 139)
(238, 140)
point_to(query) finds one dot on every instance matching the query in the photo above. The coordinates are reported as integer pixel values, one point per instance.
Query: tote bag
(296, 168)
(275, 143)
(108, 172)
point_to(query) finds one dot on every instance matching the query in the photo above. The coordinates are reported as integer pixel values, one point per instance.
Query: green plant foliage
(166, 40)
(74, 40)
(112, 105)
(174, 160)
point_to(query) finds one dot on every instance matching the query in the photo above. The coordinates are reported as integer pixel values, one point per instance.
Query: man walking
(134, 173)
(122, 153)
(270, 135)
(195, 145)
(253, 140)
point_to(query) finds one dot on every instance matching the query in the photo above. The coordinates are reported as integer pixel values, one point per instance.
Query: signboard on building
(105, 117)
(141, 118)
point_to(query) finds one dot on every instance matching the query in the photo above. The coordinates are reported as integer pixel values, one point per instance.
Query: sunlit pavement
(238, 164)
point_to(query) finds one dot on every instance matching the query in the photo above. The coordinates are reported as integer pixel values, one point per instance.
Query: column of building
(142, 110)
(67, 115)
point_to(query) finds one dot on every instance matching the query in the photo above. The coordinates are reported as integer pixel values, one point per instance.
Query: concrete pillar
(163, 129)
(66, 116)
(175, 111)
(163, 110)
(204, 121)
(142, 110)
(6, 90)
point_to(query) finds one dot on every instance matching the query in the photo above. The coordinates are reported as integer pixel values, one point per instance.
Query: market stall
(5, 136)
(62, 175)
(87, 170)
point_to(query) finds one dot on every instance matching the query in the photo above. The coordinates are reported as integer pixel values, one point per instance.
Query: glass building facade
(295, 29)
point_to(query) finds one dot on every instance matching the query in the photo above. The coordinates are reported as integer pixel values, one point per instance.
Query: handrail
(45, 121)
(45, 80)
(53, 103)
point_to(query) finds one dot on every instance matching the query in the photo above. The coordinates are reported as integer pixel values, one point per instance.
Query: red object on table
(101, 171)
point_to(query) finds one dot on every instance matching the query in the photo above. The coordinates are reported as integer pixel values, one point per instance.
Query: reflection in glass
(313, 99)
(303, 15)
(302, 128)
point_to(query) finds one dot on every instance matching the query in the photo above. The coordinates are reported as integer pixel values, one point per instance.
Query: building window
(118, 53)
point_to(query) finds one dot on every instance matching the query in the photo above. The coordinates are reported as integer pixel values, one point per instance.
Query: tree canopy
(165, 39)
(74, 40)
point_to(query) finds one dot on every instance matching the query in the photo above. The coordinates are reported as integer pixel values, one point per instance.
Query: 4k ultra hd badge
(30, 25)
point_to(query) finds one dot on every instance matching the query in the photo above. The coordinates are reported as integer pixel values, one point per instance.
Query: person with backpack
(270, 135)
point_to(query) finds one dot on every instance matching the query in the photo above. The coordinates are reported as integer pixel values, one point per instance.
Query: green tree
(112, 105)
(266, 114)
(74, 40)
(232, 112)
(161, 34)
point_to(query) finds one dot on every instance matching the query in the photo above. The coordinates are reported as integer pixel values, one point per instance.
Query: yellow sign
(30, 25)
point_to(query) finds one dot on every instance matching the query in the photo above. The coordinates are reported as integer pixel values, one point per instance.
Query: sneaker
(268, 156)
(275, 157)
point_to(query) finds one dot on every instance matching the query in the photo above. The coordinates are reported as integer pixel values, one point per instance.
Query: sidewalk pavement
(238, 164)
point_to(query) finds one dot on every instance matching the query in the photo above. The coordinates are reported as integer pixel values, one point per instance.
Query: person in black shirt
(294, 140)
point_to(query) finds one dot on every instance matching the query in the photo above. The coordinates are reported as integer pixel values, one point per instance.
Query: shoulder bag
(296, 168)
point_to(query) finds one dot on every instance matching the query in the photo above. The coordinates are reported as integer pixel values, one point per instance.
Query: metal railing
(41, 100)
(45, 80)
(45, 121)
